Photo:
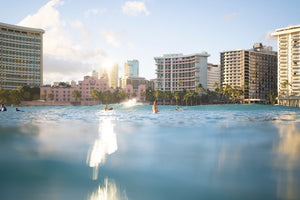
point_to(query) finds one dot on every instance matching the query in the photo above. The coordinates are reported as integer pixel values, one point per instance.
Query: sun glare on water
(130, 103)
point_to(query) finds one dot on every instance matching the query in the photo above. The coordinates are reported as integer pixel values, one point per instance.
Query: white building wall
(213, 75)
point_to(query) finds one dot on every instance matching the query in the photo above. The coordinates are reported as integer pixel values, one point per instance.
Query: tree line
(225, 94)
(15, 96)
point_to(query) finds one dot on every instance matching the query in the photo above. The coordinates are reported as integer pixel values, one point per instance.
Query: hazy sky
(81, 35)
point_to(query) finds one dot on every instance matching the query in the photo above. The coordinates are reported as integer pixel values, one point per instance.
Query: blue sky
(83, 35)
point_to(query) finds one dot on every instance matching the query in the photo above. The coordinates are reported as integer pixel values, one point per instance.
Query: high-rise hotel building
(254, 71)
(213, 76)
(131, 68)
(288, 65)
(112, 73)
(21, 56)
(176, 72)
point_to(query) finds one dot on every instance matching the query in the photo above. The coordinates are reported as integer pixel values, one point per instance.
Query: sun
(108, 64)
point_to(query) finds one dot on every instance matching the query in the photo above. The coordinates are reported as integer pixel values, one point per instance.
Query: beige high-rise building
(254, 71)
(288, 65)
(213, 76)
(21, 56)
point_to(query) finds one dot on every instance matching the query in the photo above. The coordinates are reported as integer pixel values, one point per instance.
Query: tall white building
(131, 68)
(213, 75)
(288, 65)
(176, 72)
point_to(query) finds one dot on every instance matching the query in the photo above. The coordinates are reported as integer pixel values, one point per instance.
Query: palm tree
(94, 95)
(133, 94)
(43, 96)
(286, 84)
(216, 86)
(188, 95)
(14, 97)
(122, 95)
(76, 95)
(51, 95)
(176, 96)
(107, 95)
(157, 93)
(179, 83)
(272, 97)
(143, 94)
(195, 95)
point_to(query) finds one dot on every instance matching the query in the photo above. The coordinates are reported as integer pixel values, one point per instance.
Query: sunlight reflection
(105, 144)
(130, 103)
(288, 151)
(108, 191)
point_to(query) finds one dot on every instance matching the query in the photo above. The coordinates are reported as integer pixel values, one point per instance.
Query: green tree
(51, 95)
(133, 94)
(94, 95)
(35, 96)
(157, 93)
(286, 84)
(27, 96)
(143, 93)
(176, 96)
(272, 97)
(76, 95)
(180, 83)
(15, 97)
(107, 96)
(43, 96)
(122, 95)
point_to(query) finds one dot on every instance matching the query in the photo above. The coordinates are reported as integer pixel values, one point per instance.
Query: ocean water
(202, 152)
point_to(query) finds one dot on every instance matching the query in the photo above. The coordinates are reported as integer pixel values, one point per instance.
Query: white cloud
(269, 38)
(63, 58)
(231, 17)
(89, 12)
(130, 45)
(134, 8)
(85, 34)
(111, 37)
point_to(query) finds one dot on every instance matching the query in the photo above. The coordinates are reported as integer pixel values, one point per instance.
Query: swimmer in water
(3, 108)
(106, 108)
(178, 109)
(154, 107)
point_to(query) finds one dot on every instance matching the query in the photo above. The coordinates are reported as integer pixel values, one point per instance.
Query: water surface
(202, 152)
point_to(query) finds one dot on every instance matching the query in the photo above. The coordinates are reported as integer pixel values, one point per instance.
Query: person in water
(178, 109)
(106, 108)
(154, 107)
(17, 110)
(3, 108)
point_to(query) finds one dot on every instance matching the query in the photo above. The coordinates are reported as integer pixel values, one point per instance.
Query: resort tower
(176, 72)
(254, 71)
(21, 56)
(288, 65)
(131, 68)
(213, 76)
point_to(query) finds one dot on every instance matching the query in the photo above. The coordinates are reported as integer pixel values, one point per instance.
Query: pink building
(85, 87)
(129, 89)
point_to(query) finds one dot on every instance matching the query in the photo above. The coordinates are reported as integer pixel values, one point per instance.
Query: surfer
(154, 107)
(106, 108)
